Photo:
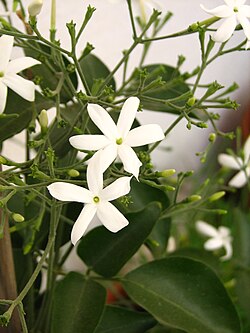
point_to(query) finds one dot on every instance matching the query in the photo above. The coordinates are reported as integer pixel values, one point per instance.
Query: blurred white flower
(219, 238)
(96, 199)
(9, 70)
(233, 11)
(118, 139)
(35, 7)
(238, 163)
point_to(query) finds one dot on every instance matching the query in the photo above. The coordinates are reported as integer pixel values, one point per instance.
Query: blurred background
(109, 32)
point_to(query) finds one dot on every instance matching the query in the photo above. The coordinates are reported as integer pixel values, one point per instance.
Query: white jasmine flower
(9, 70)
(118, 139)
(219, 238)
(35, 7)
(96, 199)
(238, 163)
(233, 11)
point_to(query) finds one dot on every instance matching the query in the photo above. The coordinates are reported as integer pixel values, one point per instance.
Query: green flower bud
(216, 196)
(165, 173)
(192, 198)
(73, 173)
(191, 101)
(18, 217)
(212, 137)
(3, 160)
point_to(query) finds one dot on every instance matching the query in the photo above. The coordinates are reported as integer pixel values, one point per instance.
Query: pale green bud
(216, 196)
(35, 7)
(193, 198)
(191, 101)
(212, 137)
(73, 173)
(3, 160)
(18, 217)
(165, 173)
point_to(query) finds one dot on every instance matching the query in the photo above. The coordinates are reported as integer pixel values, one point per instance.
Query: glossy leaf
(78, 305)
(106, 252)
(95, 70)
(24, 110)
(122, 320)
(241, 250)
(183, 293)
(173, 86)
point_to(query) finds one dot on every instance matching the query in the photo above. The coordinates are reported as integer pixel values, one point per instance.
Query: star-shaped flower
(96, 199)
(233, 11)
(118, 139)
(9, 70)
(238, 163)
(219, 238)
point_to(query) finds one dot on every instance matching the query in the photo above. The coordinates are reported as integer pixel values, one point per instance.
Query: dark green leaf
(183, 293)
(78, 305)
(106, 252)
(172, 88)
(17, 105)
(122, 320)
(95, 70)
(241, 252)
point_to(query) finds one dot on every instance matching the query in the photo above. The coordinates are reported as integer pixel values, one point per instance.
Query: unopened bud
(191, 101)
(35, 7)
(193, 198)
(3, 160)
(43, 120)
(73, 173)
(216, 196)
(165, 173)
(212, 137)
(18, 217)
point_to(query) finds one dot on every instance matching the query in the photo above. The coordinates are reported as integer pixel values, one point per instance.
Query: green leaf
(24, 110)
(183, 293)
(122, 320)
(106, 252)
(241, 250)
(173, 87)
(78, 305)
(95, 70)
(47, 77)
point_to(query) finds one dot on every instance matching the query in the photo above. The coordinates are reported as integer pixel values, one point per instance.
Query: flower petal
(229, 251)
(95, 174)
(17, 65)
(144, 135)
(111, 217)
(89, 142)
(127, 115)
(220, 11)
(109, 154)
(240, 179)
(244, 23)
(129, 159)
(21, 86)
(247, 150)
(103, 120)
(6, 45)
(117, 189)
(3, 96)
(70, 192)
(229, 161)
(245, 10)
(213, 244)
(206, 229)
(225, 31)
(224, 231)
(82, 222)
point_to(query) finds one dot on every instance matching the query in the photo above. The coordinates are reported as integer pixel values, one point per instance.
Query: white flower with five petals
(96, 199)
(117, 140)
(238, 163)
(219, 238)
(9, 70)
(233, 11)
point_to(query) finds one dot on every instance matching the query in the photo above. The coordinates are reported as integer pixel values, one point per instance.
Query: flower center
(119, 141)
(1, 74)
(96, 199)
(236, 9)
